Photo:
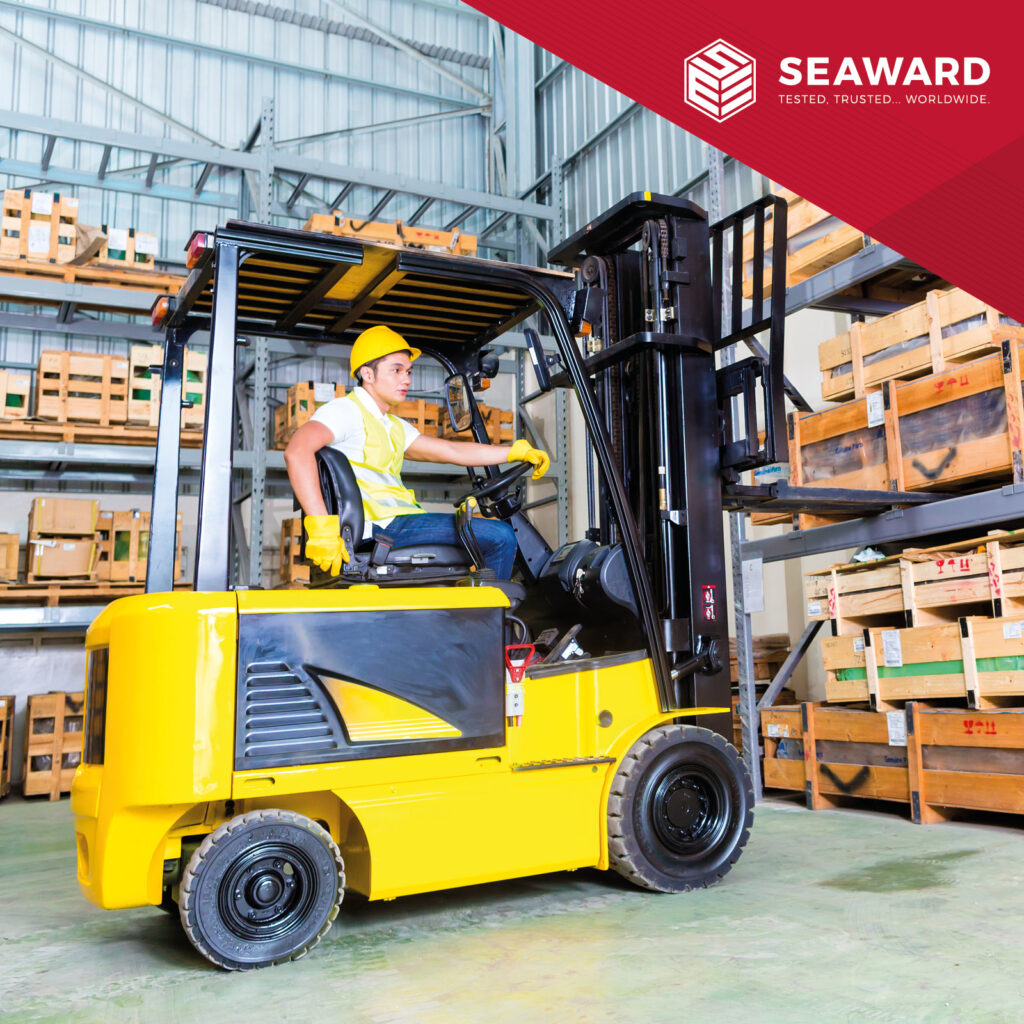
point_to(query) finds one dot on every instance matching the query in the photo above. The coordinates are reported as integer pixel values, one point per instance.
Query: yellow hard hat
(378, 341)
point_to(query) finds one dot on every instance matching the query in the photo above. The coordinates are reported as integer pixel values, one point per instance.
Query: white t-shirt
(345, 423)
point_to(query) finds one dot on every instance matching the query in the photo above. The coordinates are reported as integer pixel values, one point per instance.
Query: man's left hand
(522, 452)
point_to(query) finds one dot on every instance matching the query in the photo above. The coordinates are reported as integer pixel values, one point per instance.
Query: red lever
(517, 663)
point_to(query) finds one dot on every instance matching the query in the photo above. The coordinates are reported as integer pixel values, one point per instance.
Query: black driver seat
(342, 498)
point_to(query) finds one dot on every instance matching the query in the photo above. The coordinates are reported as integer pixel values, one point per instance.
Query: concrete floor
(830, 916)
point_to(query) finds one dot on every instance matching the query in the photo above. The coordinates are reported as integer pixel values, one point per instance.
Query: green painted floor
(829, 916)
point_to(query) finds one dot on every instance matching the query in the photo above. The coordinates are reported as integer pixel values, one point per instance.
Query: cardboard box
(63, 517)
(61, 558)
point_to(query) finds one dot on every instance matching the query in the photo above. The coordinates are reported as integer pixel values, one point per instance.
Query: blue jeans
(496, 538)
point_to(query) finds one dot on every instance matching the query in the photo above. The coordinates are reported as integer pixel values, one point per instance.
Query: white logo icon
(720, 80)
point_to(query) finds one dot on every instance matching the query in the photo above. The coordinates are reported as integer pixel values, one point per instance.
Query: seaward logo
(720, 80)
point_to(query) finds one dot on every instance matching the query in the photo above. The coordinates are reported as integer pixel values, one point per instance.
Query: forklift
(412, 724)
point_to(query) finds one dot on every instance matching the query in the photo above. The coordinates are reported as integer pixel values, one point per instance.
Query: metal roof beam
(300, 187)
(420, 211)
(410, 51)
(380, 126)
(151, 170)
(380, 204)
(219, 51)
(461, 217)
(341, 196)
(202, 179)
(48, 144)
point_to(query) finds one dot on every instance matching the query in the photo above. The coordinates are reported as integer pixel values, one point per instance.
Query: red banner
(901, 121)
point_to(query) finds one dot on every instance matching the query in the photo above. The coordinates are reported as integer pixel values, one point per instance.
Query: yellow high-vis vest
(378, 473)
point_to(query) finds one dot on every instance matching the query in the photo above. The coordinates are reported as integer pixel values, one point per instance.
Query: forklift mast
(652, 283)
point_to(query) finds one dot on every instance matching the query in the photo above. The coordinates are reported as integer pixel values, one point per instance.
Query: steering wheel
(496, 485)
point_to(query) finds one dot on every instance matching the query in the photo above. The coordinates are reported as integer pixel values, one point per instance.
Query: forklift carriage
(250, 754)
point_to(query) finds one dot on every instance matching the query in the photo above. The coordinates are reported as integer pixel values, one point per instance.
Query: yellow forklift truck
(251, 754)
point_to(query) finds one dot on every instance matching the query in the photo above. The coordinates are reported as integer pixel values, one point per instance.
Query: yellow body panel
(405, 824)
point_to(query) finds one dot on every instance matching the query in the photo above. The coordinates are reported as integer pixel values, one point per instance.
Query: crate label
(876, 409)
(753, 584)
(42, 203)
(813, 607)
(145, 244)
(70, 202)
(891, 648)
(776, 730)
(39, 238)
(322, 392)
(897, 723)
(858, 645)
(117, 238)
(1013, 630)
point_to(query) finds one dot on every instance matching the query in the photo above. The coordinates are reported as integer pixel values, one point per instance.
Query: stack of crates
(143, 402)
(53, 743)
(293, 568)
(128, 248)
(304, 398)
(39, 226)
(122, 541)
(8, 557)
(62, 539)
(82, 387)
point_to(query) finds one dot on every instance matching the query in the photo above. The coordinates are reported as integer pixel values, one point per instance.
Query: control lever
(707, 659)
(464, 528)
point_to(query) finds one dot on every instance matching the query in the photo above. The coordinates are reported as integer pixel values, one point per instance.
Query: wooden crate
(947, 431)
(949, 327)
(6, 738)
(935, 759)
(122, 546)
(922, 586)
(424, 416)
(53, 742)
(786, 696)
(395, 232)
(144, 384)
(293, 568)
(303, 399)
(9, 557)
(815, 241)
(63, 517)
(193, 390)
(980, 660)
(498, 422)
(128, 247)
(14, 391)
(82, 387)
(38, 226)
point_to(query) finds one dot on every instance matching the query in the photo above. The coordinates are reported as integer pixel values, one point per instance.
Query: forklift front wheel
(680, 809)
(262, 889)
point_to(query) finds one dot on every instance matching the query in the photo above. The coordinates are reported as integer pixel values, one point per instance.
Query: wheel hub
(266, 893)
(690, 809)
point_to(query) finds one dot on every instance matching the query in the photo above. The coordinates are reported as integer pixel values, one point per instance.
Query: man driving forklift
(376, 442)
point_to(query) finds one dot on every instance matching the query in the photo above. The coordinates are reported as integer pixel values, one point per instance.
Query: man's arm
(455, 453)
(300, 458)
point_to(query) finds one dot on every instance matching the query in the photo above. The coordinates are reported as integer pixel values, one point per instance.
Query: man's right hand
(324, 546)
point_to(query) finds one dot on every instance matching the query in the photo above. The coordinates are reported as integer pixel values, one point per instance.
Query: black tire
(680, 809)
(262, 889)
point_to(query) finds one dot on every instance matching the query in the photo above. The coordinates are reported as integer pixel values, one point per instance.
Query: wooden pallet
(293, 569)
(977, 659)
(15, 388)
(394, 232)
(82, 387)
(79, 433)
(934, 759)
(53, 594)
(954, 430)
(302, 400)
(38, 226)
(53, 743)
(104, 278)
(922, 586)
(949, 327)
(7, 705)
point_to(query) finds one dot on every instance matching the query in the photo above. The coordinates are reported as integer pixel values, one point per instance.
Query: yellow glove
(325, 548)
(522, 452)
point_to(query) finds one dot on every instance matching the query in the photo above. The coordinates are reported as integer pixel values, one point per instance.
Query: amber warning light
(197, 245)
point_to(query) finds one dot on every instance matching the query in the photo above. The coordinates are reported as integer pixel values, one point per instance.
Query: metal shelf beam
(73, 619)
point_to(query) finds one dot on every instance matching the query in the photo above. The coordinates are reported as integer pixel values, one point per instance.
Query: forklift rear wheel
(680, 809)
(262, 889)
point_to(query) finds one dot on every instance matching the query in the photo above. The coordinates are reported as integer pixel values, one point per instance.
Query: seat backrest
(341, 493)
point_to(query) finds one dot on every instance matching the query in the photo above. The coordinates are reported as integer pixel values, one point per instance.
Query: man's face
(392, 377)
